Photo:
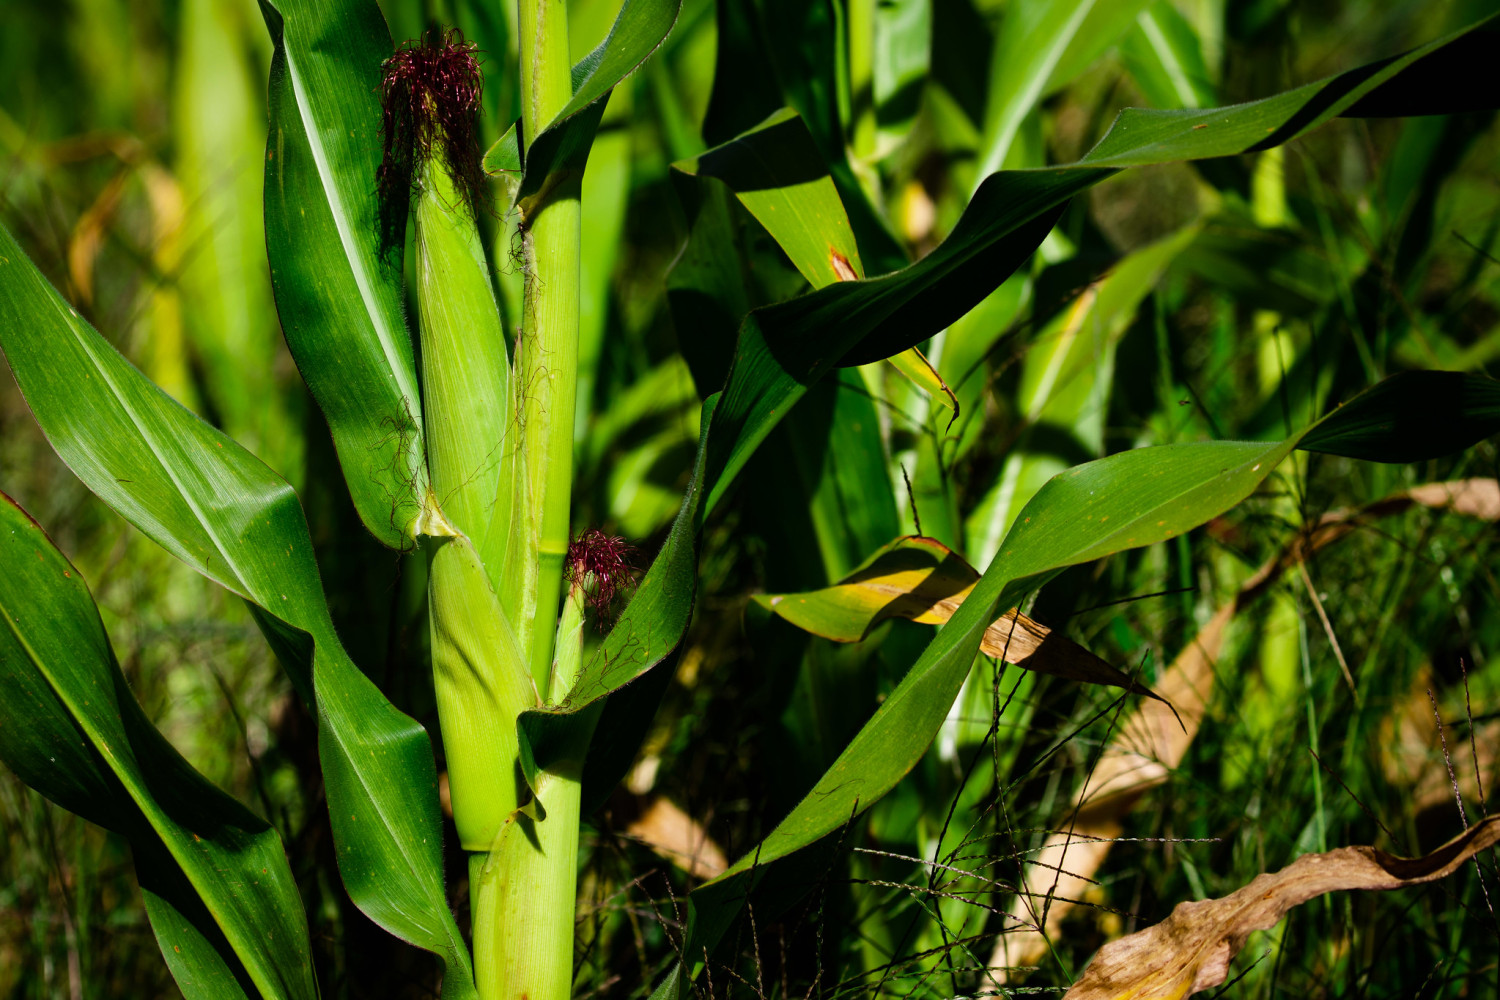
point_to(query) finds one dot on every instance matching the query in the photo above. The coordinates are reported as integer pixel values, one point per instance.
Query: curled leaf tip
(600, 564)
(431, 90)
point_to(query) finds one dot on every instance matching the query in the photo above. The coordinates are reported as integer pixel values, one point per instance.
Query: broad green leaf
(831, 467)
(902, 50)
(336, 252)
(215, 506)
(1033, 38)
(785, 347)
(70, 728)
(1129, 500)
(922, 580)
(1104, 25)
(1165, 58)
(1064, 385)
(646, 633)
(777, 173)
(562, 147)
(833, 482)
(1443, 406)
(801, 46)
(228, 313)
(606, 191)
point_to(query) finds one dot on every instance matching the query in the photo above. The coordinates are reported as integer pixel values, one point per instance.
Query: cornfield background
(1354, 698)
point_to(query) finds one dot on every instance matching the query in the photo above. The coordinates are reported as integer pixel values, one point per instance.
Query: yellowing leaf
(914, 365)
(1191, 950)
(923, 580)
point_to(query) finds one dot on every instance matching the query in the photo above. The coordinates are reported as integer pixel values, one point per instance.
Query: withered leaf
(1191, 950)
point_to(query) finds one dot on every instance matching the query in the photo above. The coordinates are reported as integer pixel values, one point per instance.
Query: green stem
(524, 889)
(547, 345)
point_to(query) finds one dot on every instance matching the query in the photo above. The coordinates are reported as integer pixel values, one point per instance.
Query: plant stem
(524, 890)
(526, 886)
(547, 346)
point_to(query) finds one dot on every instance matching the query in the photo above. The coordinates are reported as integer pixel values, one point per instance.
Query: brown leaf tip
(600, 564)
(841, 266)
(431, 90)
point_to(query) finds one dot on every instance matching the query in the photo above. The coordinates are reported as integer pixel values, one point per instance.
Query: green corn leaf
(1104, 25)
(228, 313)
(215, 506)
(785, 347)
(1165, 58)
(922, 580)
(1128, 500)
(220, 892)
(799, 42)
(777, 173)
(606, 190)
(1064, 386)
(336, 252)
(1033, 39)
(562, 148)
(902, 52)
(646, 633)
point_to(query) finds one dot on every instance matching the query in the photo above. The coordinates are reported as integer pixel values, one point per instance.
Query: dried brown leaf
(1191, 950)
(678, 838)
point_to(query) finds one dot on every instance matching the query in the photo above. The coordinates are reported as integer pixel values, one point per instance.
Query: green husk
(479, 672)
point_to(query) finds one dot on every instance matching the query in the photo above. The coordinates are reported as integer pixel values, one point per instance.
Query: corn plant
(455, 434)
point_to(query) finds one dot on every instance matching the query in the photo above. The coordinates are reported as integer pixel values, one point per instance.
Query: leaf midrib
(356, 261)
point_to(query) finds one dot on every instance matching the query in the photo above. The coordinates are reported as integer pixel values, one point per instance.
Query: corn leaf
(1165, 58)
(562, 148)
(1191, 950)
(922, 580)
(215, 506)
(1063, 391)
(1129, 500)
(902, 54)
(785, 347)
(777, 173)
(336, 251)
(220, 892)
(1035, 37)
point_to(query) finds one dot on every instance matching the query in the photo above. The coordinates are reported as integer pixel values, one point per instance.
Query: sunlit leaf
(922, 580)
(335, 252)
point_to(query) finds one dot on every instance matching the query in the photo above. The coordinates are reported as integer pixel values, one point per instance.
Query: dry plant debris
(1191, 950)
